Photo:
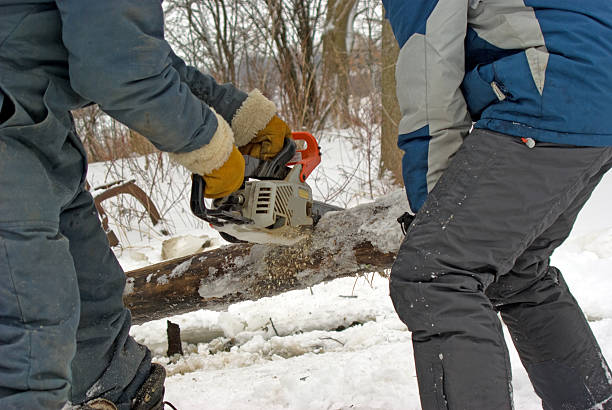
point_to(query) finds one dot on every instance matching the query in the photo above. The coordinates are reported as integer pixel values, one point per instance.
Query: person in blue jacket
(64, 331)
(507, 129)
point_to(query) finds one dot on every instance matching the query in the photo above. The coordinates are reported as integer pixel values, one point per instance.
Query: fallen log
(361, 239)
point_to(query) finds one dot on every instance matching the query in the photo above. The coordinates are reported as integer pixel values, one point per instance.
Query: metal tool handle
(196, 202)
(216, 217)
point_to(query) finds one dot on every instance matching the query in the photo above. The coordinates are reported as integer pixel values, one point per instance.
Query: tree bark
(335, 55)
(391, 155)
(358, 240)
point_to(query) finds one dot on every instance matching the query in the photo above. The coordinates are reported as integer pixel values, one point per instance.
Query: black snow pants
(481, 245)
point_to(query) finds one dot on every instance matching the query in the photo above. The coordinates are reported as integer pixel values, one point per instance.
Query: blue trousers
(63, 326)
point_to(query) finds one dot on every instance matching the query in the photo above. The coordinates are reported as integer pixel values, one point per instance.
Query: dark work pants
(481, 245)
(63, 327)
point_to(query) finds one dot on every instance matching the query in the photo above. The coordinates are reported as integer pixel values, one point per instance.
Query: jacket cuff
(211, 156)
(252, 116)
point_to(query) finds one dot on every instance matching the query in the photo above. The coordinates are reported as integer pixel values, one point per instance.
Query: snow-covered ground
(338, 345)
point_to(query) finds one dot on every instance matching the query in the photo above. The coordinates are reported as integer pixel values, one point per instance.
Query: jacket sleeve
(429, 73)
(247, 113)
(224, 98)
(119, 59)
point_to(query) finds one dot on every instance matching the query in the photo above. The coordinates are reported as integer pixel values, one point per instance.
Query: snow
(181, 268)
(129, 286)
(338, 345)
(312, 363)
(235, 359)
(184, 245)
(586, 257)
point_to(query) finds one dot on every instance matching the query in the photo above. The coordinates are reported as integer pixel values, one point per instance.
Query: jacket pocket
(483, 86)
(481, 89)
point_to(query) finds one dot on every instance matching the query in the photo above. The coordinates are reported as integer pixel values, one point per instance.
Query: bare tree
(208, 34)
(337, 37)
(290, 32)
(391, 156)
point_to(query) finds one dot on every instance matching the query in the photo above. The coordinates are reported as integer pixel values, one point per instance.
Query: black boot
(97, 404)
(150, 396)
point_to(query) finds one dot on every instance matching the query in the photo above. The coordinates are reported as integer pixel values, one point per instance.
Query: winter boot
(98, 404)
(150, 396)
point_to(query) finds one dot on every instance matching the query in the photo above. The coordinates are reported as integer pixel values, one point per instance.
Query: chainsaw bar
(321, 208)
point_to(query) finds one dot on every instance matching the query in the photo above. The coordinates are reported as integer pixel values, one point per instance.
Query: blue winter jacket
(538, 69)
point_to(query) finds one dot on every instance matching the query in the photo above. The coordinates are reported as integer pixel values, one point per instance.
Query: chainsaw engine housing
(274, 204)
(280, 211)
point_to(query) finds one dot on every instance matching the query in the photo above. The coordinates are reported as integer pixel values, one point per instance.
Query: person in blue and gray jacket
(507, 129)
(63, 327)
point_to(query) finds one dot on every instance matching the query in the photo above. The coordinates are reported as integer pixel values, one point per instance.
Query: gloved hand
(219, 162)
(405, 221)
(227, 178)
(269, 141)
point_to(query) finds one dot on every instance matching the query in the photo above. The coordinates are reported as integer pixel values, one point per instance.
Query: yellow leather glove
(269, 141)
(227, 178)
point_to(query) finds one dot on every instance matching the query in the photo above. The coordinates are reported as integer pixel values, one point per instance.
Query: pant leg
(57, 275)
(108, 362)
(549, 330)
(494, 200)
(39, 295)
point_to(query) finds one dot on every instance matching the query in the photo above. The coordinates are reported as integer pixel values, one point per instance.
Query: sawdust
(285, 236)
(283, 264)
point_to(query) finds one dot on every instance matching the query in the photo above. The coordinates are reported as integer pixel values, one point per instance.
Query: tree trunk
(335, 55)
(358, 240)
(391, 155)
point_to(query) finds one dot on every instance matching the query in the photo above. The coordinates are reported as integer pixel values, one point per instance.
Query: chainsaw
(274, 204)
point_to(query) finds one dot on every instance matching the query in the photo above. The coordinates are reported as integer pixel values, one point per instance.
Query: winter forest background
(329, 66)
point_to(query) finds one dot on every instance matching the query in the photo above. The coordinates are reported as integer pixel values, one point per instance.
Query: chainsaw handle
(216, 217)
(197, 204)
(308, 157)
(275, 168)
